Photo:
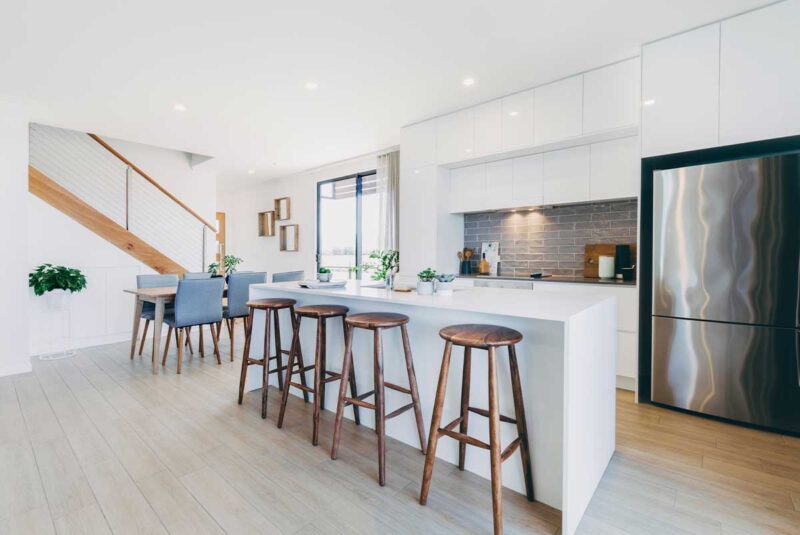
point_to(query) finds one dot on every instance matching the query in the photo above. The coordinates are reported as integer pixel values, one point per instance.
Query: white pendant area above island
(567, 366)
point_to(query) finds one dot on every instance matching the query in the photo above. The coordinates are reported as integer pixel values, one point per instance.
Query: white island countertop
(566, 362)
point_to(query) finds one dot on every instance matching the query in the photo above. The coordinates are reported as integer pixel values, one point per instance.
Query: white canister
(606, 267)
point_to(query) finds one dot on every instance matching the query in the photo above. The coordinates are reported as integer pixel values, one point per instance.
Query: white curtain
(388, 178)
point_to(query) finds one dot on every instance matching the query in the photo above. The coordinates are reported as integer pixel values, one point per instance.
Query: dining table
(160, 297)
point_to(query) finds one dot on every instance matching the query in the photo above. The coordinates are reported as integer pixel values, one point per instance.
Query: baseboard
(82, 342)
(22, 367)
(626, 383)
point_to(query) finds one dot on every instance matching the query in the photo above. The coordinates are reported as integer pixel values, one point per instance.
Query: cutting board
(592, 254)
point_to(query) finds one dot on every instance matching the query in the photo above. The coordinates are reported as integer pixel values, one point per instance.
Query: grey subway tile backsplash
(551, 239)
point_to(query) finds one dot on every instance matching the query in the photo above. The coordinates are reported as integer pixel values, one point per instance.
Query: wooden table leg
(138, 304)
(157, 323)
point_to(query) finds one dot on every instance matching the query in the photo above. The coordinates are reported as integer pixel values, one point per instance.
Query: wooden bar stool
(376, 322)
(488, 337)
(322, 376)
(271, 307)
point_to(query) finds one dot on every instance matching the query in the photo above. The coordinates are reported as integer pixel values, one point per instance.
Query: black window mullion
(358, 224)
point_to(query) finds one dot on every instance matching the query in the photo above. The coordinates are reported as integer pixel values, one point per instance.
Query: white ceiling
(240, 67)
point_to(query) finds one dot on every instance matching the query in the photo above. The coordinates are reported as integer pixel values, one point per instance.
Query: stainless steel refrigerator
(726, 290)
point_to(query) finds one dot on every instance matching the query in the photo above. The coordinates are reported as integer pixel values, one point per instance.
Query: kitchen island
(567, 366)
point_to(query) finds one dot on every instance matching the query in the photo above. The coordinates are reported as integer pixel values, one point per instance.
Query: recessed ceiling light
(468, 81)
(467, 150)
(513, 113)
(416, 171)
(648, 102)
(179, 107)
(312, 86)
(251, 171)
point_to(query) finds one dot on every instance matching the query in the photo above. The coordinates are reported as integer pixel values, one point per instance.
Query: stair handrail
(152, 181)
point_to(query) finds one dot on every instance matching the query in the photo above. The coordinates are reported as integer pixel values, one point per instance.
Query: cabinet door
(615, 169)
(418, 145)
(759, 78)
(558, 110)
(455, 137)
(418, 225)
(488, 125)
(680, 92)
(498, 185)
(627, 354)
(526, 185)
(566, 175)
(468, 188)
(517, 121)
(611, 97)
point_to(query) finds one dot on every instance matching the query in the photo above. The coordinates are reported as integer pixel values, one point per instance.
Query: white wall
(242, 206)
(13, 239)
(103, 312)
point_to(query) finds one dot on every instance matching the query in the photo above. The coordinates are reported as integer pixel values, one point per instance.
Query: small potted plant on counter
(444, 286)
(324, 274)
(425, 280)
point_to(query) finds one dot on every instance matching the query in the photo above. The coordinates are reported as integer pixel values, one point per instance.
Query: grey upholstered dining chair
(149, 309)
(238, 294)
(189, 275)
(197, 303)
(287, 276)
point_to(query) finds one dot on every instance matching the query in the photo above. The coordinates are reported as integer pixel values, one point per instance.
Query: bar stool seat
(376, 320)
(480, 336)
(489, 338)
(321, 311)
(271, 303)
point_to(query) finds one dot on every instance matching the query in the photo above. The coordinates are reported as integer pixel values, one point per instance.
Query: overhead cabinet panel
(418, 145)
(526, 189)
(558, 110)
(468, 189)
(499, 178)
(517, 121)
(615, 169)
(566, 175)
(680, 92)
(488, 126)
(455, 137)
(611, 97)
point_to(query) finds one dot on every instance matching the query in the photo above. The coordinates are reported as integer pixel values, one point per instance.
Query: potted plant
(57, 283)
(324, 274)
(384, 266)
(425, 280)
(229, 264)
(444, 284)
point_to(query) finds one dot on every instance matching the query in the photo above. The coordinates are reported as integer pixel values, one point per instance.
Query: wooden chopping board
(592, 254)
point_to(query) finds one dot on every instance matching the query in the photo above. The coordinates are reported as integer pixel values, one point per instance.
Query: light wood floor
(95, 444)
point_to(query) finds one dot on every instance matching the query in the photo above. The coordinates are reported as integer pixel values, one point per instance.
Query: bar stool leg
(248, 325)
(352, 380)
(299, 355)
(380, 408)
(346, 371)
(412, 385)
(465, 380)
(318, 371)
(433, 438)
(323, 359)
(294, 354)
(278, 348)
(265, 369)
(522, 425)
(494, 446)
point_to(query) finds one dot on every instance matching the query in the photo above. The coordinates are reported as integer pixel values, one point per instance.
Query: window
(347, 222)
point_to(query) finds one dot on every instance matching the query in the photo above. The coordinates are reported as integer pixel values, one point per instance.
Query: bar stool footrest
(509, 451)
(398, 388)
(485, 414)
(360, 403)
(401, 410)
(461, 437)
(302, 387)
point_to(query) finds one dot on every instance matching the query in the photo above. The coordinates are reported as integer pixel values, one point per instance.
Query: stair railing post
(127, 195)
(203, 259)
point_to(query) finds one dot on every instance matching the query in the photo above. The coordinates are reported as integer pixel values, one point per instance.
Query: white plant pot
(324, 277)
(444, 288)
(58, 307)
(425, 288)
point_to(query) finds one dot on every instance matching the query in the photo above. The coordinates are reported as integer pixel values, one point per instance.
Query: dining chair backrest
(156, 281)
(287, 276)
(196, 275)
(198, 302)
(239, 291)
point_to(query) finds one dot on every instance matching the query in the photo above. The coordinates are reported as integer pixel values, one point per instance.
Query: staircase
(88, 180)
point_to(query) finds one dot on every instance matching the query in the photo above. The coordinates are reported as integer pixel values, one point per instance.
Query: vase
(57, 303)
(425, 287)
(324, 277)
(444, 288)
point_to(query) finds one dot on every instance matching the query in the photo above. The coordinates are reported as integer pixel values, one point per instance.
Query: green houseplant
(383, 265)
(229, 265)
(56, 284)
(47, 278)
(425, 280)
(324, 274)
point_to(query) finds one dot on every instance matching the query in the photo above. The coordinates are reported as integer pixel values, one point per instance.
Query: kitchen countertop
(554, 278)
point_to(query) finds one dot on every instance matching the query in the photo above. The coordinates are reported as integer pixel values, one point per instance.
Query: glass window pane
(337, 226)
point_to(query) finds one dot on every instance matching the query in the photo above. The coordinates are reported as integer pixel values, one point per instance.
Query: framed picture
(266, 223)
(290, 238)
(283, 209)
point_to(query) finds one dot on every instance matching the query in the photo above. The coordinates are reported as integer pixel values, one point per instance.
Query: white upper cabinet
(615, 169)
(680, 92)
(418, 145)
(611, 97)
(468, 189)
(488, 125)
(566, 175)
(759, 75)
(455, 137)
(499, 179)
(558, 110)
(517, 121)
(526, 189)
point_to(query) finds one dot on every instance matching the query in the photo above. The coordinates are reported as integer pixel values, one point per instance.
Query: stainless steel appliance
(726, 290)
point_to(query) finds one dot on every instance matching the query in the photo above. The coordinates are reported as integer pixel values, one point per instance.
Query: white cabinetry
(759, 75)
(680, 92)
(611, 97)
(517, 120)
(566, 175)
(558, 110)
(418, 145)
(526, 188)
(468, 189)
(488, 128)
(455, 137)
(615, 169)
(499, 180)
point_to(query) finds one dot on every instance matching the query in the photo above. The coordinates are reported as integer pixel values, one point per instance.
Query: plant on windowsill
(425, 280)
(324, 274)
